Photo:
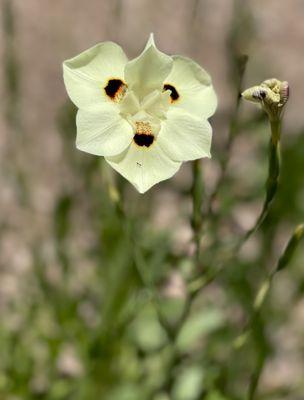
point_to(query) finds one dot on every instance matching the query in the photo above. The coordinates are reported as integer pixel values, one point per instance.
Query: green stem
(271, 190)
(233, 131)
(255, 378)
(259, 300)
(137, 254)
(197, 192)
(273, 177)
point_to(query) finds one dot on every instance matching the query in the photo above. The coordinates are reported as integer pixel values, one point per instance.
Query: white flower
(145, 116)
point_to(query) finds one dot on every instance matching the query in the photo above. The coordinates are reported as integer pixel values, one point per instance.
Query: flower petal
(184, 136)
(194, 87)
(144, 167)
(148, 71)
(102, 131)
(156, 103)
(86, 75)
(129, 104)
(150, 41)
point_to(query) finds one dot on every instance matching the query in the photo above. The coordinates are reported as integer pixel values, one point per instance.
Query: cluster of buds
(272, 94)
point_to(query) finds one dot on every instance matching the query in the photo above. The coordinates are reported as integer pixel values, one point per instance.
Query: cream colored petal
(86, 75)
(102, 131)
(150, 41)
(148, 71)
(184, 136)
(156, 103)
(194, 87)
(129, 104)
(144, 167)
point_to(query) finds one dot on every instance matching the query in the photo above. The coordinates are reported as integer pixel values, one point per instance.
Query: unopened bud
(272, 94)
(259, 94)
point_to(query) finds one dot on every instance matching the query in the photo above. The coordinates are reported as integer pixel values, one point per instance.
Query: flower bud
(257, 94)
(272, 94)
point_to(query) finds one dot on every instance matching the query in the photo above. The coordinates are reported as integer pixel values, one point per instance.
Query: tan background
(50, 31)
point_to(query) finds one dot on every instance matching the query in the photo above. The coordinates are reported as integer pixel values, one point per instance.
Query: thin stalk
(137, 255)
(273, 177)
(140, 265)
(197, 192)
(195, 8)
(232, 134)
(255, 378)
(233, 129)
(274, 167)
(259, 301)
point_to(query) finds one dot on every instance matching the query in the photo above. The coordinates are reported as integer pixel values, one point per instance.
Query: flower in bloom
(145, 116)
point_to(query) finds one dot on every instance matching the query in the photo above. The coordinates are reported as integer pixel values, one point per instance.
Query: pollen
(174, 93)
(115, 89)
(143, 128)
(143, 135)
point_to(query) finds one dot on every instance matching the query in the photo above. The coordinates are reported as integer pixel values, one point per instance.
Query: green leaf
(198, 325)
(189, 383)
(215, 395)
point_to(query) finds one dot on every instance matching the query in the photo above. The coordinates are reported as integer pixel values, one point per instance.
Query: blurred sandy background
(48, 32)
(34, 171)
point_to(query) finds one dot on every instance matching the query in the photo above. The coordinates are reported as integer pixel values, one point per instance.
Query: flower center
(143, 135)
(115, 89)
(174, 93)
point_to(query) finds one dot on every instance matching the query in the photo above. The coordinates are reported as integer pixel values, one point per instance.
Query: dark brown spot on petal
(143, 140)
(174, 93)
(259, 94)
(114, 88)
(262, 94)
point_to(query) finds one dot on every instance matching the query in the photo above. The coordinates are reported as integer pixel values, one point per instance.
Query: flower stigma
(115, 89)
